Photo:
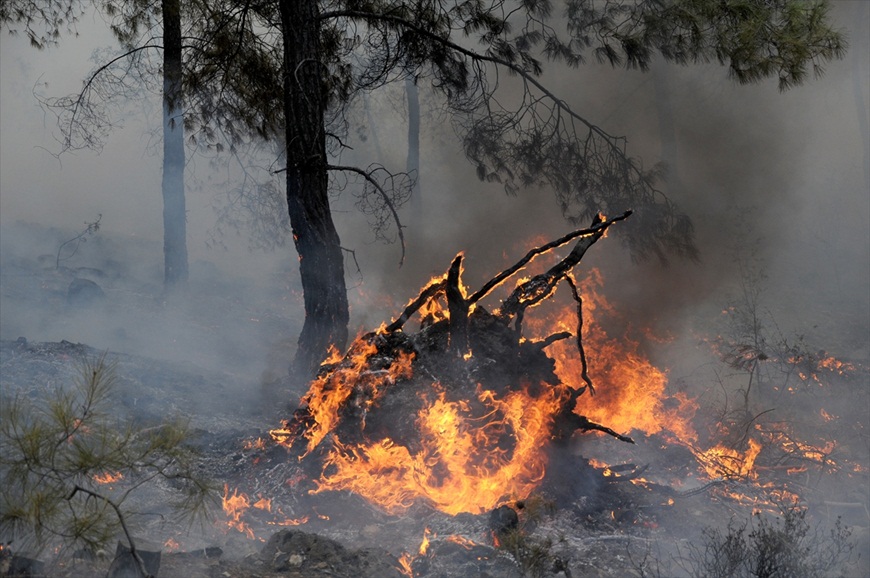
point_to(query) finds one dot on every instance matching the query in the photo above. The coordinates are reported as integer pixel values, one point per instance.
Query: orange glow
(630, 392)
(234, 506)
(257, 444)
(720, 461)
(472, 460)
(328, 393)
(108, 477)
(460, 467)
(461, 541)
(291, 521)
(405, 565)
(424, 545)
(471, 455)
(833, 364)
(432, 311)
(171, 545)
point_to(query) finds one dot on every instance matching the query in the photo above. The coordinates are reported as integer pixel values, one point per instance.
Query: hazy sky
(788, 168)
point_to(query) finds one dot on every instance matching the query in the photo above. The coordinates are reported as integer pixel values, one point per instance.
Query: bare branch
(384, 196)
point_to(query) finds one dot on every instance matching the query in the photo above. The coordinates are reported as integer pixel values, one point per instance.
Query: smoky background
(775, 183)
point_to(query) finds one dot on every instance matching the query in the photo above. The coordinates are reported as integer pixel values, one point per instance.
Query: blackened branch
(596, 228)
(457, 306)
(428, 292)
(584, 367)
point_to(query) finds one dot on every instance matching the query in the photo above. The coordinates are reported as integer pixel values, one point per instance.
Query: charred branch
(550, 340)
(542, 286)
(457, 306)
(584, 371)
(568, 422)
(428, 293)
(501, 277)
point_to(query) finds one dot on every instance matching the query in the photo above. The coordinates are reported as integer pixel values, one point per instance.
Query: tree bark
(321, 261)
(174, 211)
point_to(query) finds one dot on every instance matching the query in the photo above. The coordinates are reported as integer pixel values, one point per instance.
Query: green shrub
(56, 452)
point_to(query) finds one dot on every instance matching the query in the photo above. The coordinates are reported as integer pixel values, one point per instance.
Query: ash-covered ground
(219, 361)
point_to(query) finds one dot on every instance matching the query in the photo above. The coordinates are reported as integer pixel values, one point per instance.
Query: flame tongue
(410, 420)
(463, 463)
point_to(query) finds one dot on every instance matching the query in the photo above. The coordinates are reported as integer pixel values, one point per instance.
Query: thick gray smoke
(777, 177)
(776, 184)
(781, 176)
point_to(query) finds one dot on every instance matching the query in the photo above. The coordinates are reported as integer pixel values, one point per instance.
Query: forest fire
(463, 415)
(460, 466)
(480, 433)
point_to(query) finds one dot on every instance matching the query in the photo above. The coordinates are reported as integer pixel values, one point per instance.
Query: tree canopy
(288, 72)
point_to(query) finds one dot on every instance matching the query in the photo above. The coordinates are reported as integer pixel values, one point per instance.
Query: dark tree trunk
(174, 211)
(321, 262)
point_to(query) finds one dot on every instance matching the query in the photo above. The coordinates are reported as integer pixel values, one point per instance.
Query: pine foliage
(68, 467)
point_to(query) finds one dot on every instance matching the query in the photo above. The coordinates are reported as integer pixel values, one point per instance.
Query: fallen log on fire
(459, 414)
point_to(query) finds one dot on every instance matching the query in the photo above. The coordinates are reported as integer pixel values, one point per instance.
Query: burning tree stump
(461, 413)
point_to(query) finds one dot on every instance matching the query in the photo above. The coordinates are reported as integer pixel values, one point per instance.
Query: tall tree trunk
(662, 82)
(174, 211)
(321, 262)
(413, 161)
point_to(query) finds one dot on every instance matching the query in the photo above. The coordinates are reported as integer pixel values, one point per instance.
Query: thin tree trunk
(321, 261)
(413, 161)
(174, 211)
(662, 82)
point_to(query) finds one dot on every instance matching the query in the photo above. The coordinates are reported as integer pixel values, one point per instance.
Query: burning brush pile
(473, 413)
(462, 415)
(443, 444)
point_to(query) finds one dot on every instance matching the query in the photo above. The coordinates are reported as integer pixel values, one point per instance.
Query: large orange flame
(460, 467)
(630, 390)
(473, 455)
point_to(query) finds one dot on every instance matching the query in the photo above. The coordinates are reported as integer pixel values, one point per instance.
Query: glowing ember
(424, 545)
(258, 444)
(234, 506)
(108, 477)
(405, 561)
(721, 461)
(461, 541)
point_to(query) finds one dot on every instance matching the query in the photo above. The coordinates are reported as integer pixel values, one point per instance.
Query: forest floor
(219, 361)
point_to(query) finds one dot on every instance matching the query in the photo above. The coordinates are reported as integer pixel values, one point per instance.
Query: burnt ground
(195, 361)
(594, 534)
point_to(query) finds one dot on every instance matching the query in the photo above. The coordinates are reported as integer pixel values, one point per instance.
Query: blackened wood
(567, 422)
(550, 340)
(541, 286)
(584, 367)
(501, 277)
(457, 306)
(428, 292)
(126, 565)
